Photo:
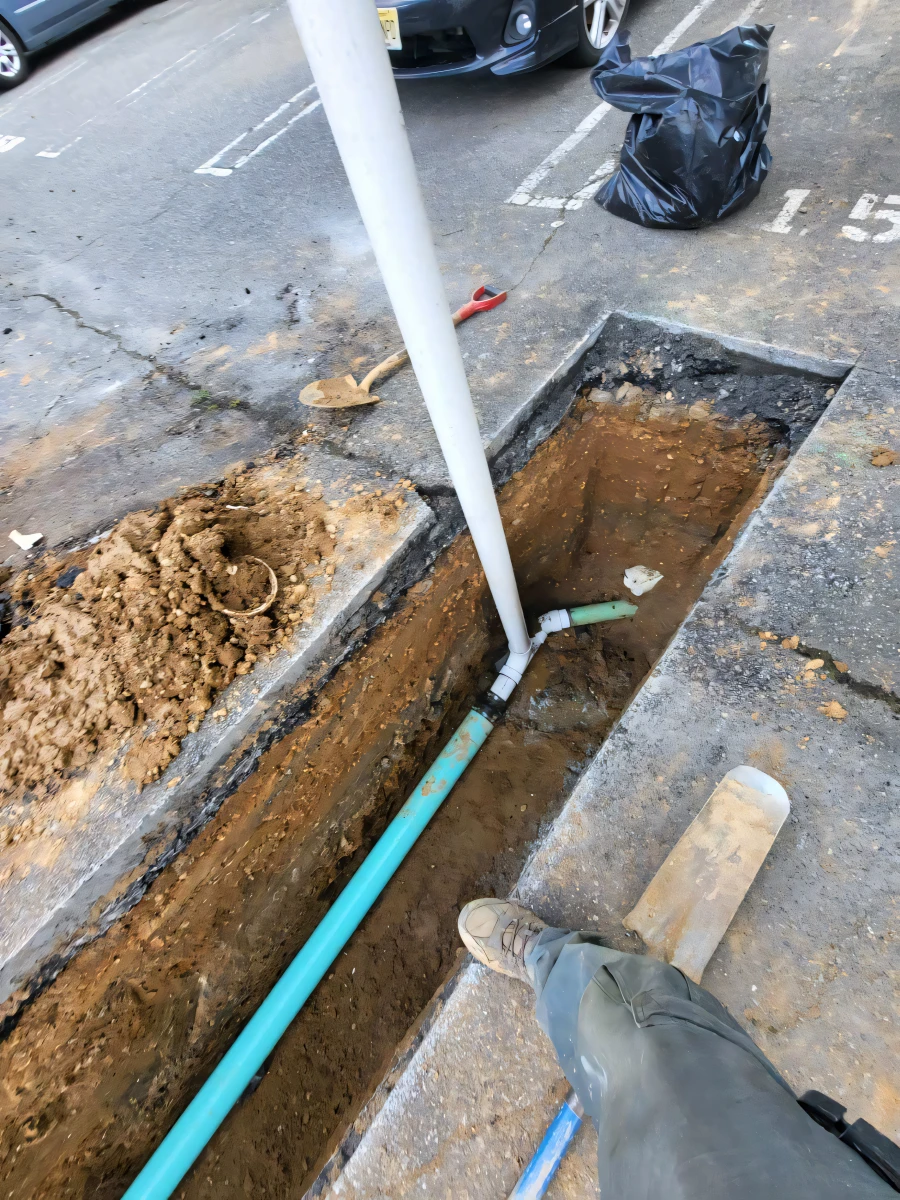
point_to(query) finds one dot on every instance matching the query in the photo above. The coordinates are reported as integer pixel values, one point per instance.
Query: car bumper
(465, 37)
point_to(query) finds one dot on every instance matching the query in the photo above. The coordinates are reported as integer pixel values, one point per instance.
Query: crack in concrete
(81, 249)
(547, 240)
(871, 691)
(172, 373)
(169, 202)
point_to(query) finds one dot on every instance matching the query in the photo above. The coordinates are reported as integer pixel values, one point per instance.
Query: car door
(40, 21)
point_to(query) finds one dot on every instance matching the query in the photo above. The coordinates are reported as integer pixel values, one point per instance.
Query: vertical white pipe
(345, 49)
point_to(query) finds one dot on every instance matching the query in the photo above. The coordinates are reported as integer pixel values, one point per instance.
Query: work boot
(498, 933)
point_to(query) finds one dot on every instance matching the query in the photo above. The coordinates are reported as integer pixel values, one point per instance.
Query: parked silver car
(29, 25)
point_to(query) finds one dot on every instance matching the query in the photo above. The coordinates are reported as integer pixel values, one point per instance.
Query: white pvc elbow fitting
(556, 621)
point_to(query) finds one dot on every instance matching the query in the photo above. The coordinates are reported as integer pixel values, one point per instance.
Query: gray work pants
(685, 1104)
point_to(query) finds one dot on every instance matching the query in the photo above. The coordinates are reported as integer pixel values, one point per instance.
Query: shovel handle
(493, 297)
(384, 368)
(483, 298)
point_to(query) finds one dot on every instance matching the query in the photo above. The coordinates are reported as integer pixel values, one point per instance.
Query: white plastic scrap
(641, 579)
(25, 540)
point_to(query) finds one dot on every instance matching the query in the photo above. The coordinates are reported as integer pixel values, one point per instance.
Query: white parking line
(682, 27)
(210, 167)
(42, 84)
(54, 79)
(269, 140)
(525, 192)
(8, 141)
(42, 87)
(185, 62)
(782, 223)
(853, 26)
(577, 199)
(159, 74)
(100, 44)
(171, 67)
(56, 153)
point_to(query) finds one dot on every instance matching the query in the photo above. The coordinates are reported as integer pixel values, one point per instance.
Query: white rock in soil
(641, 579)
(25, 540)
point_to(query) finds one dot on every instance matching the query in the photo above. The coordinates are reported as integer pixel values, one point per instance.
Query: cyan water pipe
(550, 1153)
(205, 1113)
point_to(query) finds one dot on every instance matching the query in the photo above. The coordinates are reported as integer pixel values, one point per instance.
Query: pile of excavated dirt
(133, 640)
(100, 1065)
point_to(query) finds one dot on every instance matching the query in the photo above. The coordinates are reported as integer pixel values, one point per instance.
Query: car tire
(598, 21)
(14, 65)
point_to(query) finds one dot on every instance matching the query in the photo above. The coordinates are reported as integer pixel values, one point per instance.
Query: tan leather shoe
(498, 933)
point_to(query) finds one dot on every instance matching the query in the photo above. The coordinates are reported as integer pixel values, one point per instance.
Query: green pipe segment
(590, 614)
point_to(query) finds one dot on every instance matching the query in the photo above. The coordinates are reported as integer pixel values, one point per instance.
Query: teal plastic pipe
(592, 613)
(257, 1040)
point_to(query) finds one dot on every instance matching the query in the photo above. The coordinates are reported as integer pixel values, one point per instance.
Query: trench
(653, 465)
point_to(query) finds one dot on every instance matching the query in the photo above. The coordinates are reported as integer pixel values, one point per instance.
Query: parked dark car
(438, 37)
(502, 37)
(29, 25)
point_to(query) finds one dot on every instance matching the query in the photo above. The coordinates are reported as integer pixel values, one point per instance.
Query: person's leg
(686, 1106)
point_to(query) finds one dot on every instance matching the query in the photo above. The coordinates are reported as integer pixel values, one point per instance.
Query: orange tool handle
(476, 304)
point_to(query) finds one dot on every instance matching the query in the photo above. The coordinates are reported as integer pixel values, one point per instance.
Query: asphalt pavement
(182, 252)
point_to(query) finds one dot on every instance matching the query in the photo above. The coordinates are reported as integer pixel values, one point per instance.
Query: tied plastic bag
(694, 149)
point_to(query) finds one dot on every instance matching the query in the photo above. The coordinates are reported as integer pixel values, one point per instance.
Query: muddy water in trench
(100, 1065)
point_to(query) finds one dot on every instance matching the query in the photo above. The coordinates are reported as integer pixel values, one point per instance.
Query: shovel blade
(335, 393)
(690, 902)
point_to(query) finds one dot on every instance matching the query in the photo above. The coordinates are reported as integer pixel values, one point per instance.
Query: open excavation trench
(659, 463)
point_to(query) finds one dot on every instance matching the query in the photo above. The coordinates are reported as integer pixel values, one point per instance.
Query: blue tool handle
(550, 1153)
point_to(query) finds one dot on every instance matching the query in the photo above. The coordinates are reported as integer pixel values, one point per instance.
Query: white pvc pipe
(345, 49)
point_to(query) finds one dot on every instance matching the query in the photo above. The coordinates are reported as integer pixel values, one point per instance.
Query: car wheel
(598, 21)
(13, 59)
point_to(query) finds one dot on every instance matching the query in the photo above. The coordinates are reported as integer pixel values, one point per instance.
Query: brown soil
(132, 637)
(102, 1062)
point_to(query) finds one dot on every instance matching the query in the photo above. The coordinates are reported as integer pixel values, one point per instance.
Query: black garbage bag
(694, 149)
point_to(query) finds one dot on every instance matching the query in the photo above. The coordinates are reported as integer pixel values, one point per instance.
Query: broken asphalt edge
(836, 369)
